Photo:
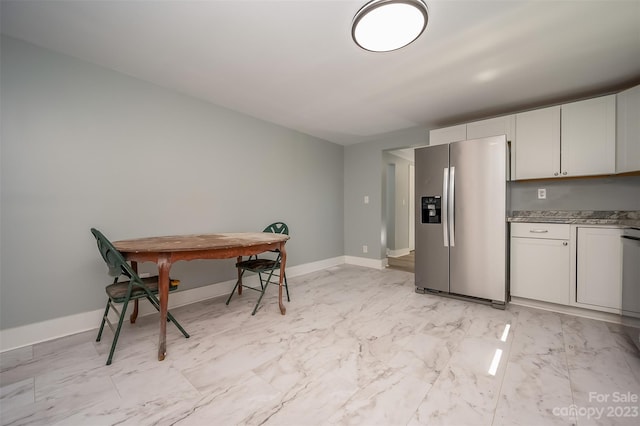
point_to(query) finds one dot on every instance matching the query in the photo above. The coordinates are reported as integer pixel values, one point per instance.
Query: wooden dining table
(165, 251)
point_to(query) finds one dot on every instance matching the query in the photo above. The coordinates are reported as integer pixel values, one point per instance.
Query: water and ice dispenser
(431, 209)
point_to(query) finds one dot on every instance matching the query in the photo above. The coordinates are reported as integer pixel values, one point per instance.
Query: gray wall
(85, 147)
(365, 174)
(610, 193)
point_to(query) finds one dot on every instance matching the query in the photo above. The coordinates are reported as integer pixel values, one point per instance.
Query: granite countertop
(585, 217)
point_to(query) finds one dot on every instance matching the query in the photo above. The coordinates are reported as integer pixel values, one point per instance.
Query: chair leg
(104, 319)
(286, 287)
(169, 317)
(232, 291)
(234, 288)
(264, 289)
(117, 333)
(155, 304)
(177, 324)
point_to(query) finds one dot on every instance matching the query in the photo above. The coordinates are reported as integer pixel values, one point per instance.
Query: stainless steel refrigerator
(461, 229)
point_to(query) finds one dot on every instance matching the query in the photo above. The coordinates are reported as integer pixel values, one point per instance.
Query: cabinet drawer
(560, 231)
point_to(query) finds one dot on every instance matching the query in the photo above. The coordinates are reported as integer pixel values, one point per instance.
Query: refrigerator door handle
(445, 214)
(452, 206)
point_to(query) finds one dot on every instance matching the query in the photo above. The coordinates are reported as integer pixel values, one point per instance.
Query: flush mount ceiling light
(385, 25)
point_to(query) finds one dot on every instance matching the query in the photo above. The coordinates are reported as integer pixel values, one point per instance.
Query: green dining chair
(121, 292)
(263, 266)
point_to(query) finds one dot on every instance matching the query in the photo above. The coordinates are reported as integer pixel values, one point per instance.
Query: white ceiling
(293, 62)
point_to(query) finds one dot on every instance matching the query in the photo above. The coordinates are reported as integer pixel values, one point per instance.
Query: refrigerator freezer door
(432, 253)
(478, 258)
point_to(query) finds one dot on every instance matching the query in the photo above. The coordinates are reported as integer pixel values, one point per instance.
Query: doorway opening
(399, 209)
(403, 263)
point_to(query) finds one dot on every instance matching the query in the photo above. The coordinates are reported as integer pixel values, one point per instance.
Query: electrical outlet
(366, 199)
(365, 249)
(542, 193)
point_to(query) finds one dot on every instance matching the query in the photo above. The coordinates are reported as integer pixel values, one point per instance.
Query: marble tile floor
(357, 347)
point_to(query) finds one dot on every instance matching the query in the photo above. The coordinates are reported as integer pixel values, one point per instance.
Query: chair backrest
(113, 258)
(277, 228)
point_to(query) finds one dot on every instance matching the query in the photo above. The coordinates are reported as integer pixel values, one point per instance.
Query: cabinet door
(540, 269)
(599, 267)
(448, 134)
(537, 146)
(628, 131)
(589, 137)
(505, 125)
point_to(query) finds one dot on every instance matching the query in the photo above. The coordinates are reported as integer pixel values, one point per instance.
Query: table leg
(134, 314)
(164, 265)
(283, 261)
(239, 276)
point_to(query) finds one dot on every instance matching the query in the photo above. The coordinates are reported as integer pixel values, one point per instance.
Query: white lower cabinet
(575, 265)
(541, 261)
(599, 267)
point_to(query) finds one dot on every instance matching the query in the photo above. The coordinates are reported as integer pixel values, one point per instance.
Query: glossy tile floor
(357, 346)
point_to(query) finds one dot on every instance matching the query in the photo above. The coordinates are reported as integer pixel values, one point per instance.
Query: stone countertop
(582, 217)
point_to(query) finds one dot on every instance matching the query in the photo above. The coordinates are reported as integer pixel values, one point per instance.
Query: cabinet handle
(564, 243)
(538, 231)
(555, 174)
(564, 173)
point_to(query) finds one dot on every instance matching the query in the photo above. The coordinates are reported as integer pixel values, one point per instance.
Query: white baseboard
(363, 261)
(570, 310)
(307, 268)
(17, 337)
(30, 334)
(398, 253)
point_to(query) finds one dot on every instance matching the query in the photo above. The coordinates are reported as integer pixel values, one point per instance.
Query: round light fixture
(385, 25)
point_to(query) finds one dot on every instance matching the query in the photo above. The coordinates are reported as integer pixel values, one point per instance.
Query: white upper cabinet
(505, 125)
(628, 131)
(448, 134)
(588, 137)
(537, 146)
(575, 139)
